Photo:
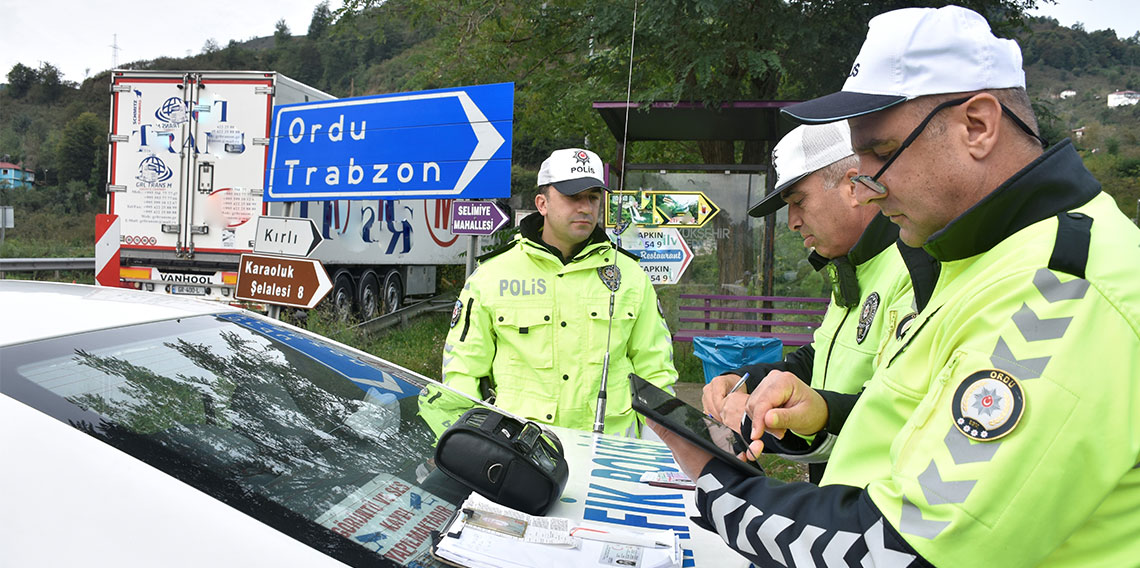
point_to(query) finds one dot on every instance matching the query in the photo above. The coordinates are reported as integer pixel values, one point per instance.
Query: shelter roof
(688, 120)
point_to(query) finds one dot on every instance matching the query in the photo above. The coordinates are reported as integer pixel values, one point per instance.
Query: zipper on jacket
(827, 362)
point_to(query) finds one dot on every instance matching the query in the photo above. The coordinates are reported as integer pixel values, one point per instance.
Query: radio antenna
(619, 228)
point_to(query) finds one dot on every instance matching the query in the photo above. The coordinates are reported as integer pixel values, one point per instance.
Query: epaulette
(627, 253)
(497, 252)
(1071, 248)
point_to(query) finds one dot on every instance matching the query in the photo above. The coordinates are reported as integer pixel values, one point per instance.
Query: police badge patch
(866, 316)
(988, 405)
(611, 276)
(456, 312)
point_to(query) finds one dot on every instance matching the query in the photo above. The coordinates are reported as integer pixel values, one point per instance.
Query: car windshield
(324, 444)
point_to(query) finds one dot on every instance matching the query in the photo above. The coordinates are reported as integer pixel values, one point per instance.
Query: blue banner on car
(365, 376)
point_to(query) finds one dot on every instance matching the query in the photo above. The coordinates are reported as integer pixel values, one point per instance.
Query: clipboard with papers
(486, 535)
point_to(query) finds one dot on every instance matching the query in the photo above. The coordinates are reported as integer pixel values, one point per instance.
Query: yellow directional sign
(681, 209)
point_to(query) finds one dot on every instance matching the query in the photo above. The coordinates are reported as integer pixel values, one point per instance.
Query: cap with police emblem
(800, 153)
(572, 171)
(915, 52)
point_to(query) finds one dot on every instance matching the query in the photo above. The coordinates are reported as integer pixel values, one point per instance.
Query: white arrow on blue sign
(441, 144)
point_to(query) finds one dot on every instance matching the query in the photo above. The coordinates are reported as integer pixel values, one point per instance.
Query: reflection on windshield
(279, 416)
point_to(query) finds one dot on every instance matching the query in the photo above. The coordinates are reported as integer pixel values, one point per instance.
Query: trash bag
(727, 352)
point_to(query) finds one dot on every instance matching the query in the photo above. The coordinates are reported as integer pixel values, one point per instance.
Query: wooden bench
(789, 319)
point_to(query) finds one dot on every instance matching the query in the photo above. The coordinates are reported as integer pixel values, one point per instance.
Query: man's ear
(982, 117)
(540, 203)
(846, 187)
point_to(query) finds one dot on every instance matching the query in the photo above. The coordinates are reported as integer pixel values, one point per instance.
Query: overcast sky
(76, 35)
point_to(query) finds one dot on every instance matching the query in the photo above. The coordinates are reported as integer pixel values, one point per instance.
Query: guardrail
(38, 264)
(440, 303)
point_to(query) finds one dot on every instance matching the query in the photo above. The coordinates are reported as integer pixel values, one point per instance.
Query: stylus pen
(733, 389)
(738, 384)
(747, 449)
(645, 541)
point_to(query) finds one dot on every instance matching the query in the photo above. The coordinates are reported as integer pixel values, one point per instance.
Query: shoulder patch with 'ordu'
(988, 405)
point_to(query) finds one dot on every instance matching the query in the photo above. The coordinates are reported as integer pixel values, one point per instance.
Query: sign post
(295, 282)
(7, 220)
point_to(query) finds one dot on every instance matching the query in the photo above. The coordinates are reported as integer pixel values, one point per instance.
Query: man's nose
(795, 221)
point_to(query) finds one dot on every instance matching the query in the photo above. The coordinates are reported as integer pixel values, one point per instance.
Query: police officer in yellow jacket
(1002, 428)
(533, 322)
(871, 290)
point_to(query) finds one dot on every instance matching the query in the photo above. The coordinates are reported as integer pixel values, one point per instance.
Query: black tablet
(689, 423)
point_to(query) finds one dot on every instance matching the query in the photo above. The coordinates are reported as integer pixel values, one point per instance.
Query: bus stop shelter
(740, 251)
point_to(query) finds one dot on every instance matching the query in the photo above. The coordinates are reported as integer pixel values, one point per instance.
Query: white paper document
(486, 535)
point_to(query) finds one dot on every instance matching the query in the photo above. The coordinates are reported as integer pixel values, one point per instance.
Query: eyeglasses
(873, 183)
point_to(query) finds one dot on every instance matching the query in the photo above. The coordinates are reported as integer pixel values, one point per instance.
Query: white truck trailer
(186, 171)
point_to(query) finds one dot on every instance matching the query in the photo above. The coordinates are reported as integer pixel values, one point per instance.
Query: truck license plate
(188, 290)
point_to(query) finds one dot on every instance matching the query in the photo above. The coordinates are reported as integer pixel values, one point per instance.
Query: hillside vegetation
(722, 52)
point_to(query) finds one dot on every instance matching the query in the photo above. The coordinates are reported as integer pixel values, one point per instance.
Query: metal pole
(472, 252)
(274, 309)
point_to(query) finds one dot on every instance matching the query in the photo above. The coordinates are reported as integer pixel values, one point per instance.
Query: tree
(20, 80)
(76, 153)
(564, 55)
(322, 18)
(281, 32)
(43, 85)
(50, 85)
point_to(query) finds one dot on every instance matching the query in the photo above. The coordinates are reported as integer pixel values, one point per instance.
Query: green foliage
(417, 345)
(82, 151)
(51, 222)
(1119, 176)
(1129, 167)
(322, 18)
(20, 80)
(44, 85)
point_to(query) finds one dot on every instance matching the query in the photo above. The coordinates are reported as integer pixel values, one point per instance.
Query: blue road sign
(441, 144)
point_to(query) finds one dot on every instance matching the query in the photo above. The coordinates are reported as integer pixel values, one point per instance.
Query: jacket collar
(879, 234)
(1056, 181)
(531, 229)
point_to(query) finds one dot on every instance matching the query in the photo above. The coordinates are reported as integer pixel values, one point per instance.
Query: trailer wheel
(343, 295)
(393, 298)
(369, 296)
